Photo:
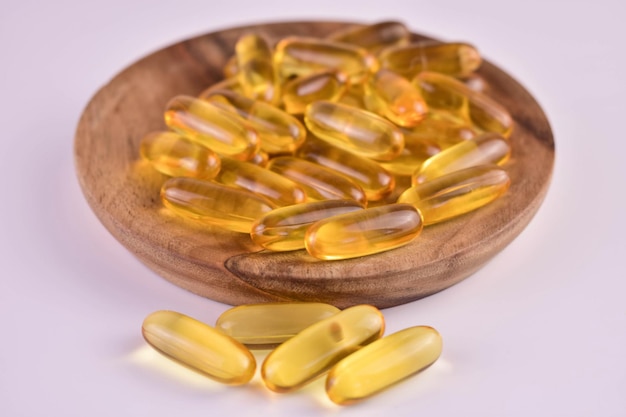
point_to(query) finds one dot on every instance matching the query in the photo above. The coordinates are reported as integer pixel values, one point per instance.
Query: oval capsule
(441, 128)
(374, 37)
(317, 348)
(199, 347)
(301, 91)
(230, 84)
(255, 68)
(271, 323)
(383, 363)
(416, 151)
(363, 232)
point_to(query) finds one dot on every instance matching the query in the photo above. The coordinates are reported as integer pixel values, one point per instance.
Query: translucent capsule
(216, 204)
(363, 232)
(325, 85)
(318, 182)
(354, 97)
(441, 128)
(317, 348)
(177, 156)
(283, 229)
(211, 126)
(447, 93)
(199, 347)
(416, 151)
(383, 363)
(271, 323)
(279, 190)
(279, 132)
(374, 179)
(255, 68)
(457, 193)
(455, 59)
(394, 97)
(302, 56)
(485, 149)
(230, 84)
(355, 130)
(374, 37)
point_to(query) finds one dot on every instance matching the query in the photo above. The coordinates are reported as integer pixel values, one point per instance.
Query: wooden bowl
(226, 266)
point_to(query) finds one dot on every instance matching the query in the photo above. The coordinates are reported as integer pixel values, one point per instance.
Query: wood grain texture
(226, 266)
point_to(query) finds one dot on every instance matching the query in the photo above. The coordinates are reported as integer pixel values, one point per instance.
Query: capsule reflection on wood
(374, 37)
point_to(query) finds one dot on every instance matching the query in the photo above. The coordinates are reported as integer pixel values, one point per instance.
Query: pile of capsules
(398, 136)
(313, 339)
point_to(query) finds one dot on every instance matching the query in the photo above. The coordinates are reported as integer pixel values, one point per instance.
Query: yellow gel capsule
(276, 188)
(230, 84)
(485, 149)
(374, 37)
(455, 59)
(383, 363)
(416, 151)
(271, 323)
(318, 182)
(394, 97)
(354, 97)
(283, 229)
(364, 232)
(211, 126)
(199, 347)
(317, 348)
(176, 156)
(447, 93)
(457, 193)
(255, 68)
(374, 179)
(261, 158)
(355, 130)
(325, 85)
(302, 56)
(441, 128)
(216, 204)
(278, 131)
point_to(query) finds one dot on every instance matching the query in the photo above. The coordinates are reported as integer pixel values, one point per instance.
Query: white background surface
(541, 330)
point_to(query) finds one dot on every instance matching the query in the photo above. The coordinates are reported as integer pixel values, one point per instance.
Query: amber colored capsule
(454, 58)
(441, 128)
(456, 193)
(383, 363)
(317, 348)
(199, 346)
(394, 97)
(325, 85)
(261, 158)
(230, 84)
(475, 82)
(374, 179)
(278, 131)
(231, 68)
(354, 96)
(176, 156)
(447, 93)
(211, 126)
(373, 37)
(355, 130)
(364, 232)
(216, 204)
(283, 229)
(318, 182)
(299, 56)
(416, 150)
(487, 148)
(271, 323)
(255, 68)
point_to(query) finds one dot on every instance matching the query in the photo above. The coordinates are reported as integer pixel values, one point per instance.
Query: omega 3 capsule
(301, 91)
(373, 37)
(255, 68)
(271, 323)
(317, 348)
(230, 84)
(383, 363)
(199, 346)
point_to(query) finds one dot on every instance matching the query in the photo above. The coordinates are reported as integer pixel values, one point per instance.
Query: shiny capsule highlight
(255, 68)
(374, 37)
(301, 91)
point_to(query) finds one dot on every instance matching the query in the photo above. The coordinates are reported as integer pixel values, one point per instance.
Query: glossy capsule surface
(177, 156)
(271, 323)
(278, 131)
(279, 190)
(218, 129)
(255, 68)
(216, 204)
(395, 98)
(374, 37)
(383, 363)
(317, 348)
(416, 151)
(441, 128)
(454, 58)
(355, 130)
(457, 193)
(364, 232)
(301, 91)
(302, 56)
(318, 182)
(199, 346)
(283, 229)
(485, 149)
(230, 84)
